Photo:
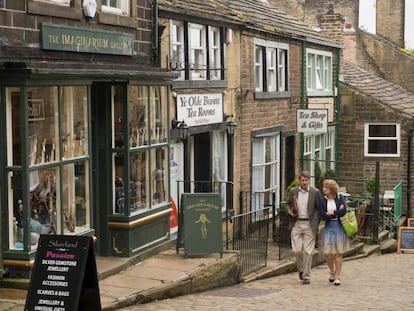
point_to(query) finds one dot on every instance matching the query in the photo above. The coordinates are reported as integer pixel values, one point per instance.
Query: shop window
(265, 168)
(321, 148)
(203, 59)
(58, 186)
(382, 140)
(145, 146)
(271, 68)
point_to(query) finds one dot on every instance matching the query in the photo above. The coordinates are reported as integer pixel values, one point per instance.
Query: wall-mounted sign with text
(200, 109)
(87, 40)
(312, 120)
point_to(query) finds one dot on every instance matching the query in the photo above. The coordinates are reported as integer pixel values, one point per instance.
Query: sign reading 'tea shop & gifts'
(312, 120)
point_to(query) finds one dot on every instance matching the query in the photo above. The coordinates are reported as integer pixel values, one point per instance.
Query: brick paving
(377, 282)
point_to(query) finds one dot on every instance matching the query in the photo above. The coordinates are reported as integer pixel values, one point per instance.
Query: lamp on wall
(182, 128)
(231, 126)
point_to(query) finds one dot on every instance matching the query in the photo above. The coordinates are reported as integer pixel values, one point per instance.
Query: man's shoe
(301, 275)
(306, 280)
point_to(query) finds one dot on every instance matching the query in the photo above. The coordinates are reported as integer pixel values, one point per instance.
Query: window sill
(272, 95)
(119, 20)
(55, 10)
(185, 84)
(320, 93)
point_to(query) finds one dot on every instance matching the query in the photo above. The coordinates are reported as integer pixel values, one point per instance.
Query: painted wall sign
(312, 120)
(74, 39)
(200, 109)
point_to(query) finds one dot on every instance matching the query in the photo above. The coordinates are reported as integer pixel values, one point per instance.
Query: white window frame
(277, 60)
(121, 7)
(315, 147)
(319, 73)
(177, 62)
(58, 2)
(262, 160)
(258, 68)
(197, 51)
(214, 53)
(396, 138)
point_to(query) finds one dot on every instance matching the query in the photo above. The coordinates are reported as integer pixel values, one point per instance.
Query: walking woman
(334, 240)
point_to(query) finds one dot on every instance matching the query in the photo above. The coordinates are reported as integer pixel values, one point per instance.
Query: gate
(250, 236)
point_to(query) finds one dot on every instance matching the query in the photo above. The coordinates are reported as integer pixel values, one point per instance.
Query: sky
(367, 19)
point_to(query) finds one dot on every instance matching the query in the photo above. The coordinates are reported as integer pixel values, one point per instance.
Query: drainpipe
(302, 99)
(409, 144)
(337, 114)
(155, 31)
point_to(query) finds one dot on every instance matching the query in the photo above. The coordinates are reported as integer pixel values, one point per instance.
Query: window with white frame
(265, 169)
(215, 53)
(319, 148)
(120, 7)
(62, 2)
(203, 58)
(271, 71)
(177, 62)
(197, 53)
(319, 72)
(382, 140)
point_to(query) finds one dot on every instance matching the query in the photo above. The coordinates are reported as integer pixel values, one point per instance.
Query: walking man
(303, 211)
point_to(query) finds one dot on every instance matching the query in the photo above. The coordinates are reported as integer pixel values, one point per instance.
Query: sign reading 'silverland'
(75, 39)
(64, 277)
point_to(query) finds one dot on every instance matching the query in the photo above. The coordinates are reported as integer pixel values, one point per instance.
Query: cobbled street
(378, 282)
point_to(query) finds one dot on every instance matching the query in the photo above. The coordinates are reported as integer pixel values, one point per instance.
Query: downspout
(409, 146)
(302, 100)
(155, 38)
(337, 113)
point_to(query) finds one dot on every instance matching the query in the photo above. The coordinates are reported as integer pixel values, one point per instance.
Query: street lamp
(231, 125)
(182, 129)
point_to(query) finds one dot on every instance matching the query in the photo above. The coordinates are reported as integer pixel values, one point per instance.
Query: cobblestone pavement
(378, 282)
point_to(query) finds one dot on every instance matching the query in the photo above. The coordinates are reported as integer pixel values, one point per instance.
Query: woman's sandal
(337, 282)
(332, 277)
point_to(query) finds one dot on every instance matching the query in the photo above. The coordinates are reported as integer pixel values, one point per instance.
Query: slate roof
(252, 14)
(385, 92)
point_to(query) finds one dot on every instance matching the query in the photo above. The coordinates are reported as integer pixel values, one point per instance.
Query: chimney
(390, 20)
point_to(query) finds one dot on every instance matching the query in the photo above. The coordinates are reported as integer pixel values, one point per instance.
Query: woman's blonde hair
(332, 185)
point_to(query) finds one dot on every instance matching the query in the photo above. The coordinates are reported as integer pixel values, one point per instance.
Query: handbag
(349, 223)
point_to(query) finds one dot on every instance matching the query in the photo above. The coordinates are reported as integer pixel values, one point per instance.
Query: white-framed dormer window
(319, 73)
(271, 72)
(177, 54)
(197, 51)
(214, 53)
(120, 7)
(382, 140)
(198, 54)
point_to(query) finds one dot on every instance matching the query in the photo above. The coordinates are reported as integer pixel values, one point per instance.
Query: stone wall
(357, 110)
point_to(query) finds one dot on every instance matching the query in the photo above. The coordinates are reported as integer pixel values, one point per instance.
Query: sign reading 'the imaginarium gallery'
(86, 40)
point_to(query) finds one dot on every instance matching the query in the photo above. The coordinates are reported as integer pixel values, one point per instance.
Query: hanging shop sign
(312, 120)
(200, 109)
(86, 40)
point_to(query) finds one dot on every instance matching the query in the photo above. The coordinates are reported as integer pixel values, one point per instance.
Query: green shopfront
(87, 153)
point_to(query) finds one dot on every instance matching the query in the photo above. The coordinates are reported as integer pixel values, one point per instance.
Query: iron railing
(250, 237)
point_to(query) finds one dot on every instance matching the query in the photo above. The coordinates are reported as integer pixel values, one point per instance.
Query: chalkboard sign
(410, 222)
(64, 276)
(405, 239)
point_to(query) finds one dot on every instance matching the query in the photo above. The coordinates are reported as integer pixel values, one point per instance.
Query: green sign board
(202, 223)
(86, 40)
